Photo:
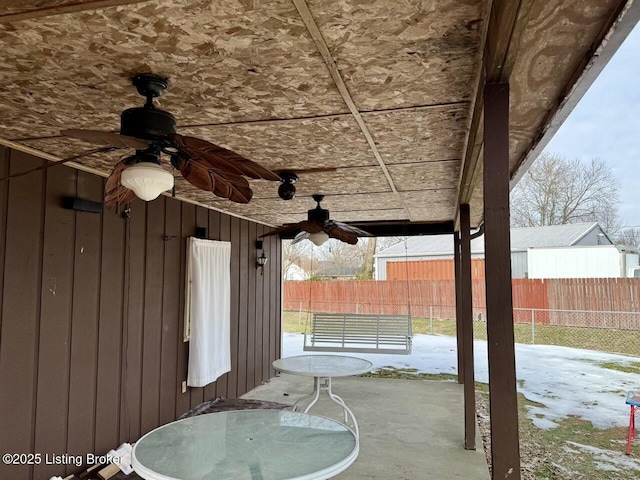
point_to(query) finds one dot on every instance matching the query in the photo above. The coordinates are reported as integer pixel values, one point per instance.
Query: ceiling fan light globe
(147, 180)
(318, 238)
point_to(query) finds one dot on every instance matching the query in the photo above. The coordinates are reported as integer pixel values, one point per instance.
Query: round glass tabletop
(323, 365)
(246, 444)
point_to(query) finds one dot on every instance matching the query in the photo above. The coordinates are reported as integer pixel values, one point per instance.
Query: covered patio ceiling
(386, 92)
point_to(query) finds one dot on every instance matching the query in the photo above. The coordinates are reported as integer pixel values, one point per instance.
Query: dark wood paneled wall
(91, 315)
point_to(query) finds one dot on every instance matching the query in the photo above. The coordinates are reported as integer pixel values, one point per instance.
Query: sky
(580, 385)
(606, 124)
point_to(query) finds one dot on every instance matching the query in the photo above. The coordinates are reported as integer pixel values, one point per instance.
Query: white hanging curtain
(208, 302)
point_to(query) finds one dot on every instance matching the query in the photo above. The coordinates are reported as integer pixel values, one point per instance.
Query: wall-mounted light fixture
(261, 261)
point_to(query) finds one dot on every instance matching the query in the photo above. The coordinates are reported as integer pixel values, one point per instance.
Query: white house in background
(601, 261)
(295, 272)
(440, 247)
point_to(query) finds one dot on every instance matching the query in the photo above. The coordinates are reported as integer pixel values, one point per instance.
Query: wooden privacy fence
(420, 297)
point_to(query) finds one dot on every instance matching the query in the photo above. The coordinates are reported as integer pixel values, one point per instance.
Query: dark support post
(458, 286)
(466, 308)
(505, 451)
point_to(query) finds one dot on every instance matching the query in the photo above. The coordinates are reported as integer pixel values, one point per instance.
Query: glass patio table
(322, 368)
(246, 444)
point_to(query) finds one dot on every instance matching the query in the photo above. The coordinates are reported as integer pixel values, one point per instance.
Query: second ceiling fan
(318, 228)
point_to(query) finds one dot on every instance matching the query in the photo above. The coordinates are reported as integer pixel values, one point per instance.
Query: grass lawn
(599, 339)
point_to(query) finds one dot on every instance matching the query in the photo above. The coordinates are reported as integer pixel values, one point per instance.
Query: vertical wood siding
(91, 315)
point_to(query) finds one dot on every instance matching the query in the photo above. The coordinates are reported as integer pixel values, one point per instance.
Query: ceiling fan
(152, 132)
(319, 228)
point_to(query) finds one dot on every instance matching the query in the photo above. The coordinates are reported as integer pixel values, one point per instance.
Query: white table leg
(313, 395)
(324, 384)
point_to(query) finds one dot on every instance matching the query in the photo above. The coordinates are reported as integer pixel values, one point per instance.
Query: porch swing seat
(359, 333)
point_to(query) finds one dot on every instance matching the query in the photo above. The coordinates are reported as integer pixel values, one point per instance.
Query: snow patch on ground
(606, 460)
(567, 381)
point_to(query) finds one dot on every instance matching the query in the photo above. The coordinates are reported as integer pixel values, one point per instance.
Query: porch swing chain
(406, 272)
(309, 314)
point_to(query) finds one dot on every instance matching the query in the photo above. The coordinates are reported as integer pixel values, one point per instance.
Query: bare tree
(343, 254)
(375, 245)
(296, 254)
(306, 255)
(629, 236)
(367, 263)
(557, 191)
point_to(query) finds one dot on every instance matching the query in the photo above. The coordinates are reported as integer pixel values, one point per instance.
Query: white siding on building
(605, 261)
(519, 268)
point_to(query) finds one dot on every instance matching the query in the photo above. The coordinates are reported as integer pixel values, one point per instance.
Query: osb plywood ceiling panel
(419, 135)
(226, 60)
(370, 215)
(334, 203)
(322, 142)
(431, 205)
(425, 176)
(555, 37)
(400, 53)
(351, 181)
(248, 75)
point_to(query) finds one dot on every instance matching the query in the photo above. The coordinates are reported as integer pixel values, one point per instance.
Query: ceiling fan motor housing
(318, 214)
(147, 123)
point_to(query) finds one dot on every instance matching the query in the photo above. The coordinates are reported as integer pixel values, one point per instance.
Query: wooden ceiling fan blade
(239, 189)
(350, 228)
(342, 235)
(114, 193)
(300, 237)
(224, 185)
(119, 196)
(197, 175)
(211, 162)
(311, 226)
(221, 188)
(106, 138)
(283, 229)
(241, 195)
(219, 156)
(114, 179)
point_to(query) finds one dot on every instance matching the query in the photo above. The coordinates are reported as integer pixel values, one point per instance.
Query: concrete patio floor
(409, 429)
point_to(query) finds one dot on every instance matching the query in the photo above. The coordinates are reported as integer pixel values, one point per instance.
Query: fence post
(300, 315)
(357, 308)
(431, 319)
(533, 327)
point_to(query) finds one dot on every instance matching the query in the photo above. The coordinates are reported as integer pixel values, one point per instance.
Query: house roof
(330, 268)
(386, 95)
(521, 239)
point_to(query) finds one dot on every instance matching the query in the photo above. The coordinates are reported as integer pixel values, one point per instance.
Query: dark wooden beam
(399, 228)
(505, 453)
(502, 21)
(458, 286)
(466, 317)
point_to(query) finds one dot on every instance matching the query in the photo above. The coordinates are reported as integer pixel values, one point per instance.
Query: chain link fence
(605, 331)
